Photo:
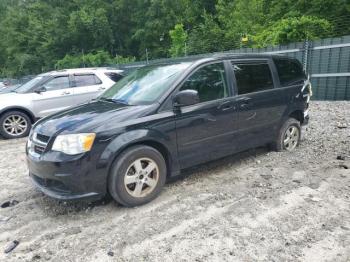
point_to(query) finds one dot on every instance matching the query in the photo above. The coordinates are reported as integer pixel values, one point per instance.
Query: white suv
(50, 93)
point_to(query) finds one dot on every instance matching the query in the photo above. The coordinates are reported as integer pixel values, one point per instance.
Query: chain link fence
(327, 61)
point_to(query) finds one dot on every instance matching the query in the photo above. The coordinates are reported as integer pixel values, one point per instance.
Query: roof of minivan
(219, 56)
(82, 70)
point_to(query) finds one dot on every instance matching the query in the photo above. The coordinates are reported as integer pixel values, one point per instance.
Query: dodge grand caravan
(163, 118)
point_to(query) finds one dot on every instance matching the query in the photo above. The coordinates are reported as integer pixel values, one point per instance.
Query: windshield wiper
(119, 101)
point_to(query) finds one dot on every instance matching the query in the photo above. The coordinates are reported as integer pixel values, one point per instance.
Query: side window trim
(272, 68)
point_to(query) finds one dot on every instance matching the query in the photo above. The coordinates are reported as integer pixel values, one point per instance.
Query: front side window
(209, 81)
(30, 85)
(86, 80)
(59, 82)
(252, 77)
(290, 72)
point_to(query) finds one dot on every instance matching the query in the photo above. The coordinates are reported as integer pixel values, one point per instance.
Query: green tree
(293, 29)
(38, 35)
(208, 37)
(178, 41)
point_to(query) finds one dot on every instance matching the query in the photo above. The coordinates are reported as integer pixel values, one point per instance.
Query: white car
(50, 93)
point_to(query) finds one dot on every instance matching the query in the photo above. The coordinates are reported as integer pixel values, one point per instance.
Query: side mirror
(40, 90)
(186, 98)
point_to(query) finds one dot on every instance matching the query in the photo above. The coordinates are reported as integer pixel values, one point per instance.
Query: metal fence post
(306, 55)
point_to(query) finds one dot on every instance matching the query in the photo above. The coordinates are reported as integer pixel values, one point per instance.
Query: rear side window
(290, 72)
(252, 77)
(114, 76)
(86, 80)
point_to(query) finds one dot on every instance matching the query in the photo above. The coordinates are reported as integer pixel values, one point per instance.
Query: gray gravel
(258, 205)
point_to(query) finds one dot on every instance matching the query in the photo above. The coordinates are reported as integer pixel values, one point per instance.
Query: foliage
(99, 58)
(207, 37)
(39, 35)
(178, 41)
(292, 29)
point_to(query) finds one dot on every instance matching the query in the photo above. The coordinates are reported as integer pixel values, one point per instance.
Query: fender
(141, 136)
(289, 110)
(19, 108)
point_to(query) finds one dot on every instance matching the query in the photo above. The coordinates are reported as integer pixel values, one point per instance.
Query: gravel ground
(258, 205)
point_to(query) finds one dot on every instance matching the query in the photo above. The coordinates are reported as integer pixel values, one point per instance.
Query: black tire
(116, 185)
(278, 144)
(4, 133)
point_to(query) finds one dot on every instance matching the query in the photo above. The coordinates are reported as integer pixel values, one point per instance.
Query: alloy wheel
(15, 125)
(141, 177)
(291, 138)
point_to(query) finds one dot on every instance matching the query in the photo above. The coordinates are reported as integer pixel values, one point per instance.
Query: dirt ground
(255, 206)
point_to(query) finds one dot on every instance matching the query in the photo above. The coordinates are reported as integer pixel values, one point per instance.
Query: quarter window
(60, 82)
(209, 81)
(290, 72)
(86, 80)
(252, 77)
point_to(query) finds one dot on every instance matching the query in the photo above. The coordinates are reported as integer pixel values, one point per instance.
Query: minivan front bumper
(68, 180)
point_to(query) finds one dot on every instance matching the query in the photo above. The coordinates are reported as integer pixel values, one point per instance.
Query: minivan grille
(38, 143)
(39, 149)
(42, 138)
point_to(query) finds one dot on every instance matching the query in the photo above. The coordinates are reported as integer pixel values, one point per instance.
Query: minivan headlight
(74, 144)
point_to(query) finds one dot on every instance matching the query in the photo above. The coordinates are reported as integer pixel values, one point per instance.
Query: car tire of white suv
(15, 124)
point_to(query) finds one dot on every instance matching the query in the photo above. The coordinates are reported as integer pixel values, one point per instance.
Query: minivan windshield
(145, 85)
(29, 85)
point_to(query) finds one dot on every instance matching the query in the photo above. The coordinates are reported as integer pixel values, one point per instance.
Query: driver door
(205, 131)
(56, 96)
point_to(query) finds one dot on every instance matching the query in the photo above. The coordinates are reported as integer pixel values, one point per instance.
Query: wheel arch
(150, 138)
(20, 109)
(298, 115)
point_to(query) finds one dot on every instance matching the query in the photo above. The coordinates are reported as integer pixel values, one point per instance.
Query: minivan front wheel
(14, 124)
(137, 176)
(289, 136)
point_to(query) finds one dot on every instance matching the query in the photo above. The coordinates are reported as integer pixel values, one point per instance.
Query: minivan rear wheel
(289, 136)
(15, 124)
(137, 176)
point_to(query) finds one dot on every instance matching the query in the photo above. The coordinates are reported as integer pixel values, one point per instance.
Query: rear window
(290, 72)
(86, 80)
(252, 77)
(114, 76)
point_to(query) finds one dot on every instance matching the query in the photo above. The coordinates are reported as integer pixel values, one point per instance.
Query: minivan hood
(89, 117)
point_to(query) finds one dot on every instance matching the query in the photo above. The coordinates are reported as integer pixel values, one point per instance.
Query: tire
(130, 183)
(291, 125)
(22, 124)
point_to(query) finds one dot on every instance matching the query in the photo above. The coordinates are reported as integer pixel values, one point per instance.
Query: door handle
(101, 88)
(244, 99)
(226, 106)
(245, 106)
(245, 102)
(65, 93)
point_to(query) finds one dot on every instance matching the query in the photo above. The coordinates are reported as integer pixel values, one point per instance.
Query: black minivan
(163, 118)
